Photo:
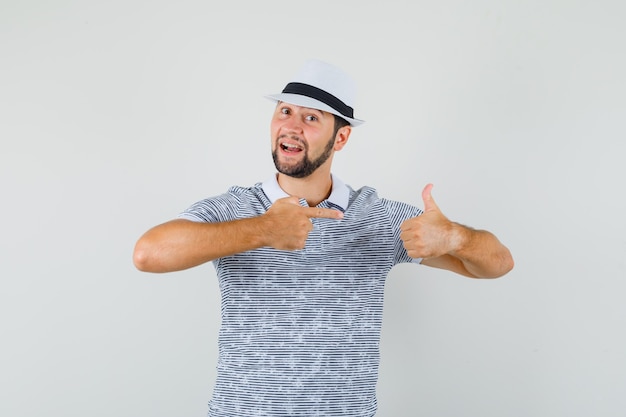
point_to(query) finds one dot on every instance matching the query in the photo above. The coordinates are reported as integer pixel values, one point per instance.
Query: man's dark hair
(339, 123)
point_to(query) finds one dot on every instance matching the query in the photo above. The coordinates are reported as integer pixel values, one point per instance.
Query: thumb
(429, 202)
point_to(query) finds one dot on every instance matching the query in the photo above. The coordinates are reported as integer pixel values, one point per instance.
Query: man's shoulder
(239, 190)
(243, 195)
(236, 202)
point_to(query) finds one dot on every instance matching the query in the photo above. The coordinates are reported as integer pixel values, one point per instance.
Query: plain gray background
(115, 116)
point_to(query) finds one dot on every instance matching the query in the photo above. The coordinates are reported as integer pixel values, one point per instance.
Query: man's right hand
(287, 224)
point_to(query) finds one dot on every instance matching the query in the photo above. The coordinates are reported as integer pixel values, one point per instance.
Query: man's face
(302, 139)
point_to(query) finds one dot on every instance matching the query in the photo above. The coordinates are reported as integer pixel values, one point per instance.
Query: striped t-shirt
(300, 329)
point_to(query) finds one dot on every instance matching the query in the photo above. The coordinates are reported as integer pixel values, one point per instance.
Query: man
(302, 260)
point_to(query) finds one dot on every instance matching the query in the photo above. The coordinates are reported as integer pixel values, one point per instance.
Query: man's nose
(294, 124)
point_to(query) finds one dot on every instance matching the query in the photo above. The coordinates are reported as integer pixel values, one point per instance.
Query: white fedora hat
(322, 86)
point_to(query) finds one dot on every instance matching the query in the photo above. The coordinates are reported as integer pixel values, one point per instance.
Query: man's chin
(292, 170)
(293, 173)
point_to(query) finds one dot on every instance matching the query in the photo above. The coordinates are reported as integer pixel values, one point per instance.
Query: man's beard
(305, 167)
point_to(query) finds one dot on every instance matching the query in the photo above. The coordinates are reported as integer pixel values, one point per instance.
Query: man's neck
(314, 189)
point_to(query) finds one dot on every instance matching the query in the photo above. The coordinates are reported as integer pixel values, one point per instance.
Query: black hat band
(321, 95)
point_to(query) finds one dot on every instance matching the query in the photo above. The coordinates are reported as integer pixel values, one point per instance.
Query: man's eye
(311, 118)
(284, 110)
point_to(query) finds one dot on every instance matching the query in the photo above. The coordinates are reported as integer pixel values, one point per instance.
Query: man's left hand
(430, 234)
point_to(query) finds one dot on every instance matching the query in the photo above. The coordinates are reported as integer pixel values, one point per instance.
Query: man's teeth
(291, 147)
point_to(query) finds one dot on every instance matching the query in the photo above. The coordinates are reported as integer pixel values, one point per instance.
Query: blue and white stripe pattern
(300, 329)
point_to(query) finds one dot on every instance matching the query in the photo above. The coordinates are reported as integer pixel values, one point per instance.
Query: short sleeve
(398, 212)
(214, 209)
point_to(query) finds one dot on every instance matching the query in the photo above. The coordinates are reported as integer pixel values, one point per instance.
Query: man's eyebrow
(315, 110)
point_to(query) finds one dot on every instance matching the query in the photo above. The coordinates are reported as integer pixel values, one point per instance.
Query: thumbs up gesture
(430, 234)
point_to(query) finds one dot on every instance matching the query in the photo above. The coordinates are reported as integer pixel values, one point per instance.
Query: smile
(291, 145)
(290, 148)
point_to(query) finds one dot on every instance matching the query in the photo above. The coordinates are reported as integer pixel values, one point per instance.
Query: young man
(302, 260)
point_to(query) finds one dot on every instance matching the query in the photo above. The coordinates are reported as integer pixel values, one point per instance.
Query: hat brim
(304, 101)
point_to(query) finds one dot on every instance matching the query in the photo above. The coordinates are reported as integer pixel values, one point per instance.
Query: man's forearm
(182, 244)
(481, 253)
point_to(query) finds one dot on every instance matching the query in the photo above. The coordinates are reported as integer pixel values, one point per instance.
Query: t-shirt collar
(339, 195)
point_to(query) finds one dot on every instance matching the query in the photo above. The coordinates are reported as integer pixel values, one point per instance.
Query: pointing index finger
(323, 213)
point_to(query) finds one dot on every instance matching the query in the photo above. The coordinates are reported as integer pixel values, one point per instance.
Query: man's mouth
(289, 146)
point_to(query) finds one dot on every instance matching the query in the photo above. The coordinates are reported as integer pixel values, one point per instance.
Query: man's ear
(341, 138)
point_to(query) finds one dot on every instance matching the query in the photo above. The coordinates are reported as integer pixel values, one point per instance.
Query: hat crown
(329, 78)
